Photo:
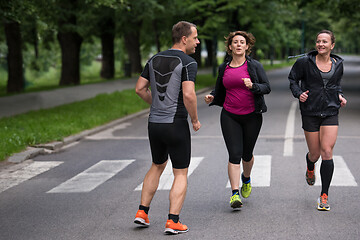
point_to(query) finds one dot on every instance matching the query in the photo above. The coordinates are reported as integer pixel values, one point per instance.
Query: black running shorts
(170, 139)
(313, 123)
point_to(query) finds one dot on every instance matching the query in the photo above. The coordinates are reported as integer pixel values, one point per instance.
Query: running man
(171, 75)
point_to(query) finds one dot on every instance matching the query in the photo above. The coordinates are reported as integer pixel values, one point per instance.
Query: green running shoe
(235, 201)
(246, 190)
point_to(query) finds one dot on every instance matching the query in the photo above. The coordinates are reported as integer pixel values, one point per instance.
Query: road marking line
(92, 177)
(289, 131)
(108, 133)
(17, 174)
(342, 175)
(167, 176)
(260, 173)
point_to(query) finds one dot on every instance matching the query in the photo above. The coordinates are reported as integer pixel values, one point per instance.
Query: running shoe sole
(173, 231)
(236, 203)
(141, 222)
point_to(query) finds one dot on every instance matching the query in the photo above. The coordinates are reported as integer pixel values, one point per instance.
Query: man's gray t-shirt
(166, 71)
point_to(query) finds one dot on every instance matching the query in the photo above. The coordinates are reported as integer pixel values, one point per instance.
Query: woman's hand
(248, 83)
(303, 97)
(209, 98)
(343, 101)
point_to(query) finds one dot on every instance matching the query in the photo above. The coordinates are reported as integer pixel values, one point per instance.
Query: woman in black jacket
(239, 89)
(320, 97)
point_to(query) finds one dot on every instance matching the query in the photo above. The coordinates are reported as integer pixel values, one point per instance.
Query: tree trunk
(209, 48)
(132, 44)
(16, 81)
(157, 36)
(70, 43)
(107, 48)
(108, 58)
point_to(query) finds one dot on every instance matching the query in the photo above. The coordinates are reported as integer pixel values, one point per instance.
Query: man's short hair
(181, 29)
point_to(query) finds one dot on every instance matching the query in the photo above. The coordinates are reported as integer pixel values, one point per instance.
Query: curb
(48, 148)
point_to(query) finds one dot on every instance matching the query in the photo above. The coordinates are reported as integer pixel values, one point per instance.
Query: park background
(48, 44)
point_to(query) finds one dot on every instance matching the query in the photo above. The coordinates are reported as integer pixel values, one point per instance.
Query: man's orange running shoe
(175, 228)
(142, 218)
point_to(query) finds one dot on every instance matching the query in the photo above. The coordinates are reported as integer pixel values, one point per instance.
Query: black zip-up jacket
(323, 100)
(260, 87)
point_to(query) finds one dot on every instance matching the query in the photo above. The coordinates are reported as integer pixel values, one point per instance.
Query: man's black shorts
(171, 139)
(313, 123)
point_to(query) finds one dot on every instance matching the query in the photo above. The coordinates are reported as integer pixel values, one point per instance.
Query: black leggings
(240, 134)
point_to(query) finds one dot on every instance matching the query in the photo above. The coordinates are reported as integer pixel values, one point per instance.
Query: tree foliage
(143, 27)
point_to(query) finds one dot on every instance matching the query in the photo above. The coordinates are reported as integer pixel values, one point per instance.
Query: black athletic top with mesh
(166, 71)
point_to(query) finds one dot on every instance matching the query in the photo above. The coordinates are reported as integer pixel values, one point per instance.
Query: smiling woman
(320, 96)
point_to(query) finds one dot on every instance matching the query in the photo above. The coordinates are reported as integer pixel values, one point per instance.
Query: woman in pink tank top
(239, 89)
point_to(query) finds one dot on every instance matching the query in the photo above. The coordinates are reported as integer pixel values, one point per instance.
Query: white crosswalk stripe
(342, 174)
(92, 177)
(16, 174)
(97, 174)
(289, 130)
(261, 172)
(167, 176)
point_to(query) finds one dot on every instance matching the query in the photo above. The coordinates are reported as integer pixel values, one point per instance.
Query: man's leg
(177, 197)
(178, 191)
(151, 183)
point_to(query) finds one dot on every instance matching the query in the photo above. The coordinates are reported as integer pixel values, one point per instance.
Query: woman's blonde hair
(250, 40)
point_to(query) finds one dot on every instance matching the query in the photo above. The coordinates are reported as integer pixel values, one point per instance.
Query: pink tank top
(239, 99)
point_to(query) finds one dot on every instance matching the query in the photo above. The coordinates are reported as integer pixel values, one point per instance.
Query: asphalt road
(90, 190)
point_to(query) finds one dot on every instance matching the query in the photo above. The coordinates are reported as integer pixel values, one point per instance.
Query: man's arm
(190, 103)
(142, 89)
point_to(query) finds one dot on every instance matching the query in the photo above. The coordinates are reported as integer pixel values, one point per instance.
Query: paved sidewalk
(22, 103)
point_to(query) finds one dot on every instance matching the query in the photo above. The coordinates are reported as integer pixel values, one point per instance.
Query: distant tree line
(281, 28)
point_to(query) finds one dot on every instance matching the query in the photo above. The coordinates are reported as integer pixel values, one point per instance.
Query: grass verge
(54, 124)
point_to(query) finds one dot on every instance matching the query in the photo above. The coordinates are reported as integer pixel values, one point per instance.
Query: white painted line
(342, 175)
(108, 133)
(70, 145)
(92, 177)
(167, 176)
(289, 131)
(17, 174)
(260, 173)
